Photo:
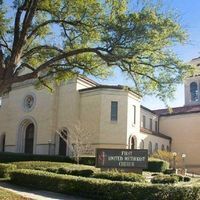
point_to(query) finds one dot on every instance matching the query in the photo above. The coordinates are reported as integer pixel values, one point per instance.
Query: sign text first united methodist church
(121, 158)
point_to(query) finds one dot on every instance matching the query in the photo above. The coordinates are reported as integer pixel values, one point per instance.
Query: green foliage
(169, 171)
(156, 165)
(179, 177)
(92, 37)
(102, 189)
(165, 179)
(75, 172)
(186, 179)
(6, 157)
(90, 160)
(119, 176)
(5, 169)
(44, 165)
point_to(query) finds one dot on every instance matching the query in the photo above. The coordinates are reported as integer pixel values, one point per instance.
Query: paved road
(37, 194)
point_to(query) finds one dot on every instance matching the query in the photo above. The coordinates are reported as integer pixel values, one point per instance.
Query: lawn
(7, 195)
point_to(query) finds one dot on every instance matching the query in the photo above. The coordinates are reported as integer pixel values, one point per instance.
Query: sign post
(134, 160)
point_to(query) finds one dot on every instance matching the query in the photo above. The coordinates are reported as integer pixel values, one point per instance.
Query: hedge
(75, 172)
(7, 157)
(157, 165)
(165, 179)
(102, 189)
(51, 166)
(119, 176)
(5, 170)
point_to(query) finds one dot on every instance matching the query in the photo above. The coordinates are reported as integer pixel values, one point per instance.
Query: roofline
(115, 87)
(143, 130)
(81, 77)
(180, 113)
(147, 109)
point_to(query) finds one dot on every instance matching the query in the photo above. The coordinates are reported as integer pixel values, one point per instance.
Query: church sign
(122, 158)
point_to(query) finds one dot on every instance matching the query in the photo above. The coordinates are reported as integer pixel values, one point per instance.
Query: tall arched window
(150, 148)
(194, 91)
(162, 147)
(142, 144)
(168, 148)
(156, 147)
(63, 143)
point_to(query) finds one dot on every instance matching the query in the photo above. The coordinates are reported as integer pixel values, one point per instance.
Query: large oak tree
(51, 40)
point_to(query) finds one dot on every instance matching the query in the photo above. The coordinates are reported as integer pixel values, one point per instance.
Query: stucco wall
(184, 129)
(15, 114)
(148, 115)
(95, 113)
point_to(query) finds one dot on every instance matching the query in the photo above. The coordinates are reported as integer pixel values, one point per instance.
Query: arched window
(156, 147)
(168, 148)
(63, 143)
(150, 148)
(162, 147)
(194, 91)
(142, 144)
(29, 139)
(133, 142)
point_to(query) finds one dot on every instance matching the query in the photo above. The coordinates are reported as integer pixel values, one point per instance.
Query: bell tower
(192, 87)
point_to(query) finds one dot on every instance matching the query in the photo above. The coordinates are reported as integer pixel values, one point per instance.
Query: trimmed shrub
(7, 157)
(90, 160)
(43, 165)
(179, 177)
(169, 171)
(156, 165)
(80, 172)
(165, 179)
(5, 169)
(102, 189)
(186, 179)
(119, 176)
(52, 169)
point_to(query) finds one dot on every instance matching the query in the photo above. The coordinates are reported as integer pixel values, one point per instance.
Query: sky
(189, 18)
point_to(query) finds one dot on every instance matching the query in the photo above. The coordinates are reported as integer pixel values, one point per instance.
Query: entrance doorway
(29, 139)
(63, 143)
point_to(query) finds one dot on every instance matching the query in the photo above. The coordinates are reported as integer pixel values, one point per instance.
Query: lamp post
(183, 159)
(49, 147)
(174, 160)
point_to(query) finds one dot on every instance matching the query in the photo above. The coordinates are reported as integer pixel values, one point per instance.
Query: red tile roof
(178, 110)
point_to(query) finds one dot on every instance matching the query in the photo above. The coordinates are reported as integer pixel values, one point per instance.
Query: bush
(179, 177)
(165, 179)
(80, 172)
(90, 160)
(169, 171)
(102, 189)
(119, 176)
(7, 157)
(43, 165)
(186, 179)
(52, 169)
(156, 165)
(5, 169)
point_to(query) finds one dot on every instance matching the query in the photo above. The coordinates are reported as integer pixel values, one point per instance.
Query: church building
(113, 114)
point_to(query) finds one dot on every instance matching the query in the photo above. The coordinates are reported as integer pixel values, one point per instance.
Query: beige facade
(29, 118)
(182, 124)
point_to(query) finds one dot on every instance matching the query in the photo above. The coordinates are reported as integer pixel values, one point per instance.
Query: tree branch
(34, 31)
(38, 48)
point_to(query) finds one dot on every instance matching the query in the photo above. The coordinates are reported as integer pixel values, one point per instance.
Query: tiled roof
(178, 110)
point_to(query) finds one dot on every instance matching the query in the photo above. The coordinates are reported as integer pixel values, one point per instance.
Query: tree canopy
(52, 40)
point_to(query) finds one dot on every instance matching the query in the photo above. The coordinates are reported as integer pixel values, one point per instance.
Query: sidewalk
(37, 194)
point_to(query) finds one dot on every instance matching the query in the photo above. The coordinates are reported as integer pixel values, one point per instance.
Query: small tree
(167, 156)
(79, 140)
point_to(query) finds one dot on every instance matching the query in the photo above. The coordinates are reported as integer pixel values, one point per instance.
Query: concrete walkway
(36, 194)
